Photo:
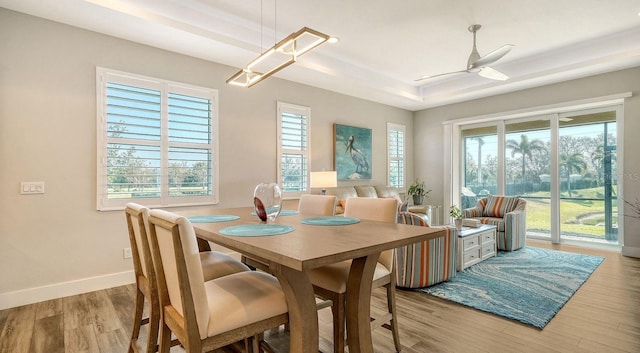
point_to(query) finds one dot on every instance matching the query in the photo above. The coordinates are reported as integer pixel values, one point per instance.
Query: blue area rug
(529, 285)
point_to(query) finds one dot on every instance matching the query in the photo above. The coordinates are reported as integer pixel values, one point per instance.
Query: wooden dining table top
(310, 246)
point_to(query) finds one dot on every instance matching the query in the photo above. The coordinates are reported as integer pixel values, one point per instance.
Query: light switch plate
(32, 187)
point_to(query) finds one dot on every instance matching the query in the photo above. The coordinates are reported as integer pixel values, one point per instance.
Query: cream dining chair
(214, 264)
(330, 282)
(321, 205)
(208, 315)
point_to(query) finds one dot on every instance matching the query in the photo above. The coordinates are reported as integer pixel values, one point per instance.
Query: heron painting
(352, 152)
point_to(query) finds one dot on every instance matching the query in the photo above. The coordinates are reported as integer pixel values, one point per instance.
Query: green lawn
(576, 216)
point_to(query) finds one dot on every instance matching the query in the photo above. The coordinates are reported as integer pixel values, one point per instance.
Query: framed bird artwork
(352, 152)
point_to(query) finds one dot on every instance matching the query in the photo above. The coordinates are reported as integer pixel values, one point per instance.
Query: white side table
(476, 245)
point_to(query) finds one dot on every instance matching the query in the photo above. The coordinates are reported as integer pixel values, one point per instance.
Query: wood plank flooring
(602, 317)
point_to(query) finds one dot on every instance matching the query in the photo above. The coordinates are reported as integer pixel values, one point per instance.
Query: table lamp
(324, 180)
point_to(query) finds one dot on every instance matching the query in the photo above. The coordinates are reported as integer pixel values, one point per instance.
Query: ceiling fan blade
(492, 57)
(493, 74)
(426, 77)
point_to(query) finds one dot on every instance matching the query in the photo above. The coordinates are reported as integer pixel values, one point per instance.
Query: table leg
(303, 314)
(359, 304)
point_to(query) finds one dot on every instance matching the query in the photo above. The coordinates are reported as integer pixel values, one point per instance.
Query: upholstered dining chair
(321, 205)
(214, 264)
(208, 315)
(330, 282)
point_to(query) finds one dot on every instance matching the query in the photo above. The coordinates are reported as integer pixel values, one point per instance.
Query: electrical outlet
(126, 253)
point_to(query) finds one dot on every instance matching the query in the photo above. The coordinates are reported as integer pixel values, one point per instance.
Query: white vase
(458, 222)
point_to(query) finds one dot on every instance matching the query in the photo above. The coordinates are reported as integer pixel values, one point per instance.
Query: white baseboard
(64, 289)
(631, 251)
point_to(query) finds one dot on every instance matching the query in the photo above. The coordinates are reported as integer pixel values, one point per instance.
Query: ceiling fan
(479, 64)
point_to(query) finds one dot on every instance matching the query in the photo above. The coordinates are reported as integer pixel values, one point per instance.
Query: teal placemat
(329, 221)
(256, 230)
(212, 218)
(282, 213)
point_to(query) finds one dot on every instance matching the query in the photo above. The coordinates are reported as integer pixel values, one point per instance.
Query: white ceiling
(384, 45)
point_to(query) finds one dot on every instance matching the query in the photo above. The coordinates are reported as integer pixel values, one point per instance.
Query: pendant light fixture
(276, 58)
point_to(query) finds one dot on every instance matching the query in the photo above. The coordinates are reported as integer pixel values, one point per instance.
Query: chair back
(374, 209)
(322, 205)
(178, 268)
(137, 222)
(429, 262)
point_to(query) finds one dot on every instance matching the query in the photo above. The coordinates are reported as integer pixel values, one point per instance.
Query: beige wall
(428, 131)
(48, 133)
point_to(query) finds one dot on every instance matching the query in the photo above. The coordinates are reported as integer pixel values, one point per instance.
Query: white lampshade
(324, 179)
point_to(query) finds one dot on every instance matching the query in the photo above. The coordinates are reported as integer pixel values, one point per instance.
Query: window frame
(165, 87)
(400, 128)
(283, 107)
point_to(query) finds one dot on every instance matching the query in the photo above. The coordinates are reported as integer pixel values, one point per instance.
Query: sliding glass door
(563, 164)
(587, 169)
(481, 164)
(527, 170)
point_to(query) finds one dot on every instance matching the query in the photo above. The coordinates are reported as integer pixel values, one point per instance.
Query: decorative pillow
(366, 191)
(498, 206)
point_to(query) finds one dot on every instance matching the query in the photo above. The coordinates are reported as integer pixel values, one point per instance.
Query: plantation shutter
(189, 140)
(293, 126)
(155, 142)
(396, 156)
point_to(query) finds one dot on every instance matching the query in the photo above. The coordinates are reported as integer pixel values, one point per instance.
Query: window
(396, 156)
(157, 142)
(293, 148)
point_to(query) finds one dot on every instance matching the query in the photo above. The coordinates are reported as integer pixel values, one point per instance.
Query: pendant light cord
(275, 24)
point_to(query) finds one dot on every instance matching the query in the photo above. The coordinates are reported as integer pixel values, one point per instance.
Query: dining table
(307, 245)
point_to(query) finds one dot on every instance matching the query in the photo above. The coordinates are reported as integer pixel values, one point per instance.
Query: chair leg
(339, 320)
(165, 339)
(154, 327)
(137, 320)
(391, 305)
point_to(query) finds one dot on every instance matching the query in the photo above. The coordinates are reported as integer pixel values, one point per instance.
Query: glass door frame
(452, 166)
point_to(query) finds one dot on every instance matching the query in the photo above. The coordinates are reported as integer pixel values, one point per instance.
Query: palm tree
(526, 149)
(572, 162)
(480, 144)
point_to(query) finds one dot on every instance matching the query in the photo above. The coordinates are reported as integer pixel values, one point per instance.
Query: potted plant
(456, 214)
(418, 192)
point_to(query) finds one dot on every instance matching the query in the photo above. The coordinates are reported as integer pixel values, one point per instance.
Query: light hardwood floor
(602, 317)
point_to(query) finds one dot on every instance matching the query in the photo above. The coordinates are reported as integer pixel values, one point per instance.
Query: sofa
(344, 192)
(508, 214)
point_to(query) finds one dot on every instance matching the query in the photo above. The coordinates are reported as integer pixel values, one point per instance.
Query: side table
(476, 245)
